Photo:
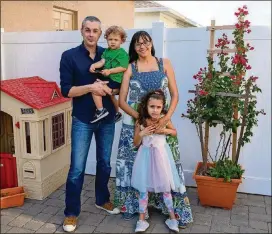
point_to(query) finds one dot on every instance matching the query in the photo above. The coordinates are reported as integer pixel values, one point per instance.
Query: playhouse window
(58, 130)
(27, 135)
(44, 136)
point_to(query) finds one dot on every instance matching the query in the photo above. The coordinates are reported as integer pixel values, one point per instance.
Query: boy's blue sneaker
(117, 117)
(100, 115)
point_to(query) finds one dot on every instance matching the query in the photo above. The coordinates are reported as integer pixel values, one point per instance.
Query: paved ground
(250, 214)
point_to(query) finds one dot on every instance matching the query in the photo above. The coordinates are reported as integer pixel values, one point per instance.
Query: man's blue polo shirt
(74, 71)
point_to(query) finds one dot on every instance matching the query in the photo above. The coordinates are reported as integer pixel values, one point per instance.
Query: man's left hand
(105, 88)
(102, 82)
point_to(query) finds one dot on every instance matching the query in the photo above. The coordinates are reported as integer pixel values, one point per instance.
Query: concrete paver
(250, 214)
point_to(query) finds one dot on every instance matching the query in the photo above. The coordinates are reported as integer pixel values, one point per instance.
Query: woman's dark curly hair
(142, 108)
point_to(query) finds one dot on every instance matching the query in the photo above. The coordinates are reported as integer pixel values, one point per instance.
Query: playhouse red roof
(34, 91)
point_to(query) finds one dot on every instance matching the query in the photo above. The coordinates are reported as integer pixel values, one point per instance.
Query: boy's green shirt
(113, 59)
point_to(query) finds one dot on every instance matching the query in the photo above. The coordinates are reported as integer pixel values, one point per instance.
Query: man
(78, 83)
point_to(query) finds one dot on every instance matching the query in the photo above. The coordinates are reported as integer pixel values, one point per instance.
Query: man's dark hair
(91, 19)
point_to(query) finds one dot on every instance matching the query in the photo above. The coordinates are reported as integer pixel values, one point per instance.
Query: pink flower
(254, 78)
(203, 93)
(243, 61)
(209, 76)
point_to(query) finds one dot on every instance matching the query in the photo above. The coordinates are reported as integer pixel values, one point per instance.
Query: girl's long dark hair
(142, 108)
(133, 56)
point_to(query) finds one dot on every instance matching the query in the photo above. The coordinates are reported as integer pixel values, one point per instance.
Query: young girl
(113, 63)
(154, 168)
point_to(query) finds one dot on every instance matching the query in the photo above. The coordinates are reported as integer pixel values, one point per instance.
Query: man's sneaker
(100, 115)
(118, 117)
(109, 208)
(141, 226)
(69, 224)
(172, 224)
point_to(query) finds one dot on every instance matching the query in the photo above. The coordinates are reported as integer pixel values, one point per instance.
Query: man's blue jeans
(81, 138)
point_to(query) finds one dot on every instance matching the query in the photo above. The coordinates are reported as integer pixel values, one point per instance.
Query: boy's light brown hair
(116, 30)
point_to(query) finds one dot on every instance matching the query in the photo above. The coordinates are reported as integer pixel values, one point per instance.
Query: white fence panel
(38, 54)
(187, 49)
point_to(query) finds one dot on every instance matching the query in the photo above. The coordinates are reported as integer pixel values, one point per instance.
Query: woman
(145, 73)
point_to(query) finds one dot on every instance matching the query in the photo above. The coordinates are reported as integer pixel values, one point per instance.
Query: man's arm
(98, 88)
(66, 81)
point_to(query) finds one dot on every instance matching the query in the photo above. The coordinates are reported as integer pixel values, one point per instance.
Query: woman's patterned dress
(126, 197)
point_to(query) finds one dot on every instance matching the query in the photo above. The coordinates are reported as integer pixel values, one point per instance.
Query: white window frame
(42, 153)
(33, 138)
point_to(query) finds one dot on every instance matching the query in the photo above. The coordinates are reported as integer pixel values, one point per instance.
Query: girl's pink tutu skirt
(154, 169)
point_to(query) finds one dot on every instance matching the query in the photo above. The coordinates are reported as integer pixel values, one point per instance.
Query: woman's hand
(147, 131)
(161, 131)
(136, 116)
(162, 122)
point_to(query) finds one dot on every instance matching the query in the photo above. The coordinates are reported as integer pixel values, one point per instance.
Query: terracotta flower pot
(215, 192)
(11, 197)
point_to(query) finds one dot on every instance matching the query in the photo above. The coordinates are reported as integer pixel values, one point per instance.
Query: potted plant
(224, 99)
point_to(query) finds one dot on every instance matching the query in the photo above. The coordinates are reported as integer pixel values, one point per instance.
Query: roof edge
(168, 10)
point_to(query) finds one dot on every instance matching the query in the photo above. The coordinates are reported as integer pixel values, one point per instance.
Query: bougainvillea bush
(224, 86)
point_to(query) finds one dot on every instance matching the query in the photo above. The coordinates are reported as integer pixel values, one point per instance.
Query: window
(58, 130)
(27, 136)
(43, 141)
(64, 20)
(44, 136)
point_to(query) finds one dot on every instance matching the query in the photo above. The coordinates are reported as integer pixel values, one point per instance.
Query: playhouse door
(7, 161)
(6, 134)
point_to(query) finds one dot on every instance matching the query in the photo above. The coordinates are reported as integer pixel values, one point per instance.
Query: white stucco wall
(145, 19)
